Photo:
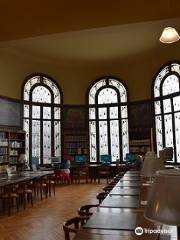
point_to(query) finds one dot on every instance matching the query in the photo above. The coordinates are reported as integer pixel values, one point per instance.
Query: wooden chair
(104, 172)
(108, 188)
(41, 187)
(101, 196)
(80, 173)
(8, 194)
(73, 225)
(50, 184)
(85, 210)
(25, 193)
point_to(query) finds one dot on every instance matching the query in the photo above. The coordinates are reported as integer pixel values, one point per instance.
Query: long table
(93, 169)
(120, 214)
(23, 177)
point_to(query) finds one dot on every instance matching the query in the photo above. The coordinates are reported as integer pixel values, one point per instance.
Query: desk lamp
(164, 199)
(151, 164)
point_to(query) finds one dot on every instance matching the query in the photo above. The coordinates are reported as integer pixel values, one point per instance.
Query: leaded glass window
(167, 108)
(42, 118)
(108, 120)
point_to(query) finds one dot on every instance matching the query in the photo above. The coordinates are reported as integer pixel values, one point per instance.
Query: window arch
(166, 92)
(108, 119)
(42, 99)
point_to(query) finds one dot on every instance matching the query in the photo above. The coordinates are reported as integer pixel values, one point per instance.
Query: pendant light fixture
(169, 35)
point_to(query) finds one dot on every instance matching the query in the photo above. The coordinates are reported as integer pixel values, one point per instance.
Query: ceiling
(86, 30)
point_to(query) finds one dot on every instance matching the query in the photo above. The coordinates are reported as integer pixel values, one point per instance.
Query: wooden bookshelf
(75, 132)
(12, 144)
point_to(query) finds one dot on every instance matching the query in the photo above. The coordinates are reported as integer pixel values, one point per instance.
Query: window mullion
(30, 134)
(109, 130)
(41, 134)
(174, 131)
(97, 134)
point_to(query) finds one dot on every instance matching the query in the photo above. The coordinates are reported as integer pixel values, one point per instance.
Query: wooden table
(23, 177)
(96, 234)
(117, 219)
(116, 201)
(125, 191)
(130, 179)
(118, 216)
(127, 174)
(93, 169)
(128, 184)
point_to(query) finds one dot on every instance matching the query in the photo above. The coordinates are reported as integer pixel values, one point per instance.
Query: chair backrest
(73, 225)
(104, 169)
(101, 196)
(85, 210)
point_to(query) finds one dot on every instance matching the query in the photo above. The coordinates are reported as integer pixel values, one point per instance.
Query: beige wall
(74, 77)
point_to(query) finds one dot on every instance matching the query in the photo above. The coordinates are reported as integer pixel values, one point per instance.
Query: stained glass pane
(26, 111)
(103, 137)
(41, 94)
(121, 89)
(107, 95)
(102, 113)
(94, 89)
(57, 138)
(158, 81)
(124, 113)
(170, 85)
(114, 130)
(35, 138)
(46, 141)
(159, 140)
(157, 107)
(57, 113)
(125, 138)
(54, 88)
(176, 103)
(26, 128)
(92, 113)
(35, 111)
(168, 130)
(177, 132)
(167, 105)
(92, 136)
(113, 113)
(29, 85)
(47, 112)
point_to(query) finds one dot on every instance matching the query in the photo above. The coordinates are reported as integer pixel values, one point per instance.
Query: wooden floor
(44, 220)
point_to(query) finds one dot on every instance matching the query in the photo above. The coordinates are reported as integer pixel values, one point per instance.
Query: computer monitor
(55, 160)
(105, 158)
(130, 157)
(35, 160)
(34, 163)
(80, 159)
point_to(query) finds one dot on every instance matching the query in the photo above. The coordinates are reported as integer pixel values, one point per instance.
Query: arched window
(167, 108)
(42, 118)
(108, 119)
